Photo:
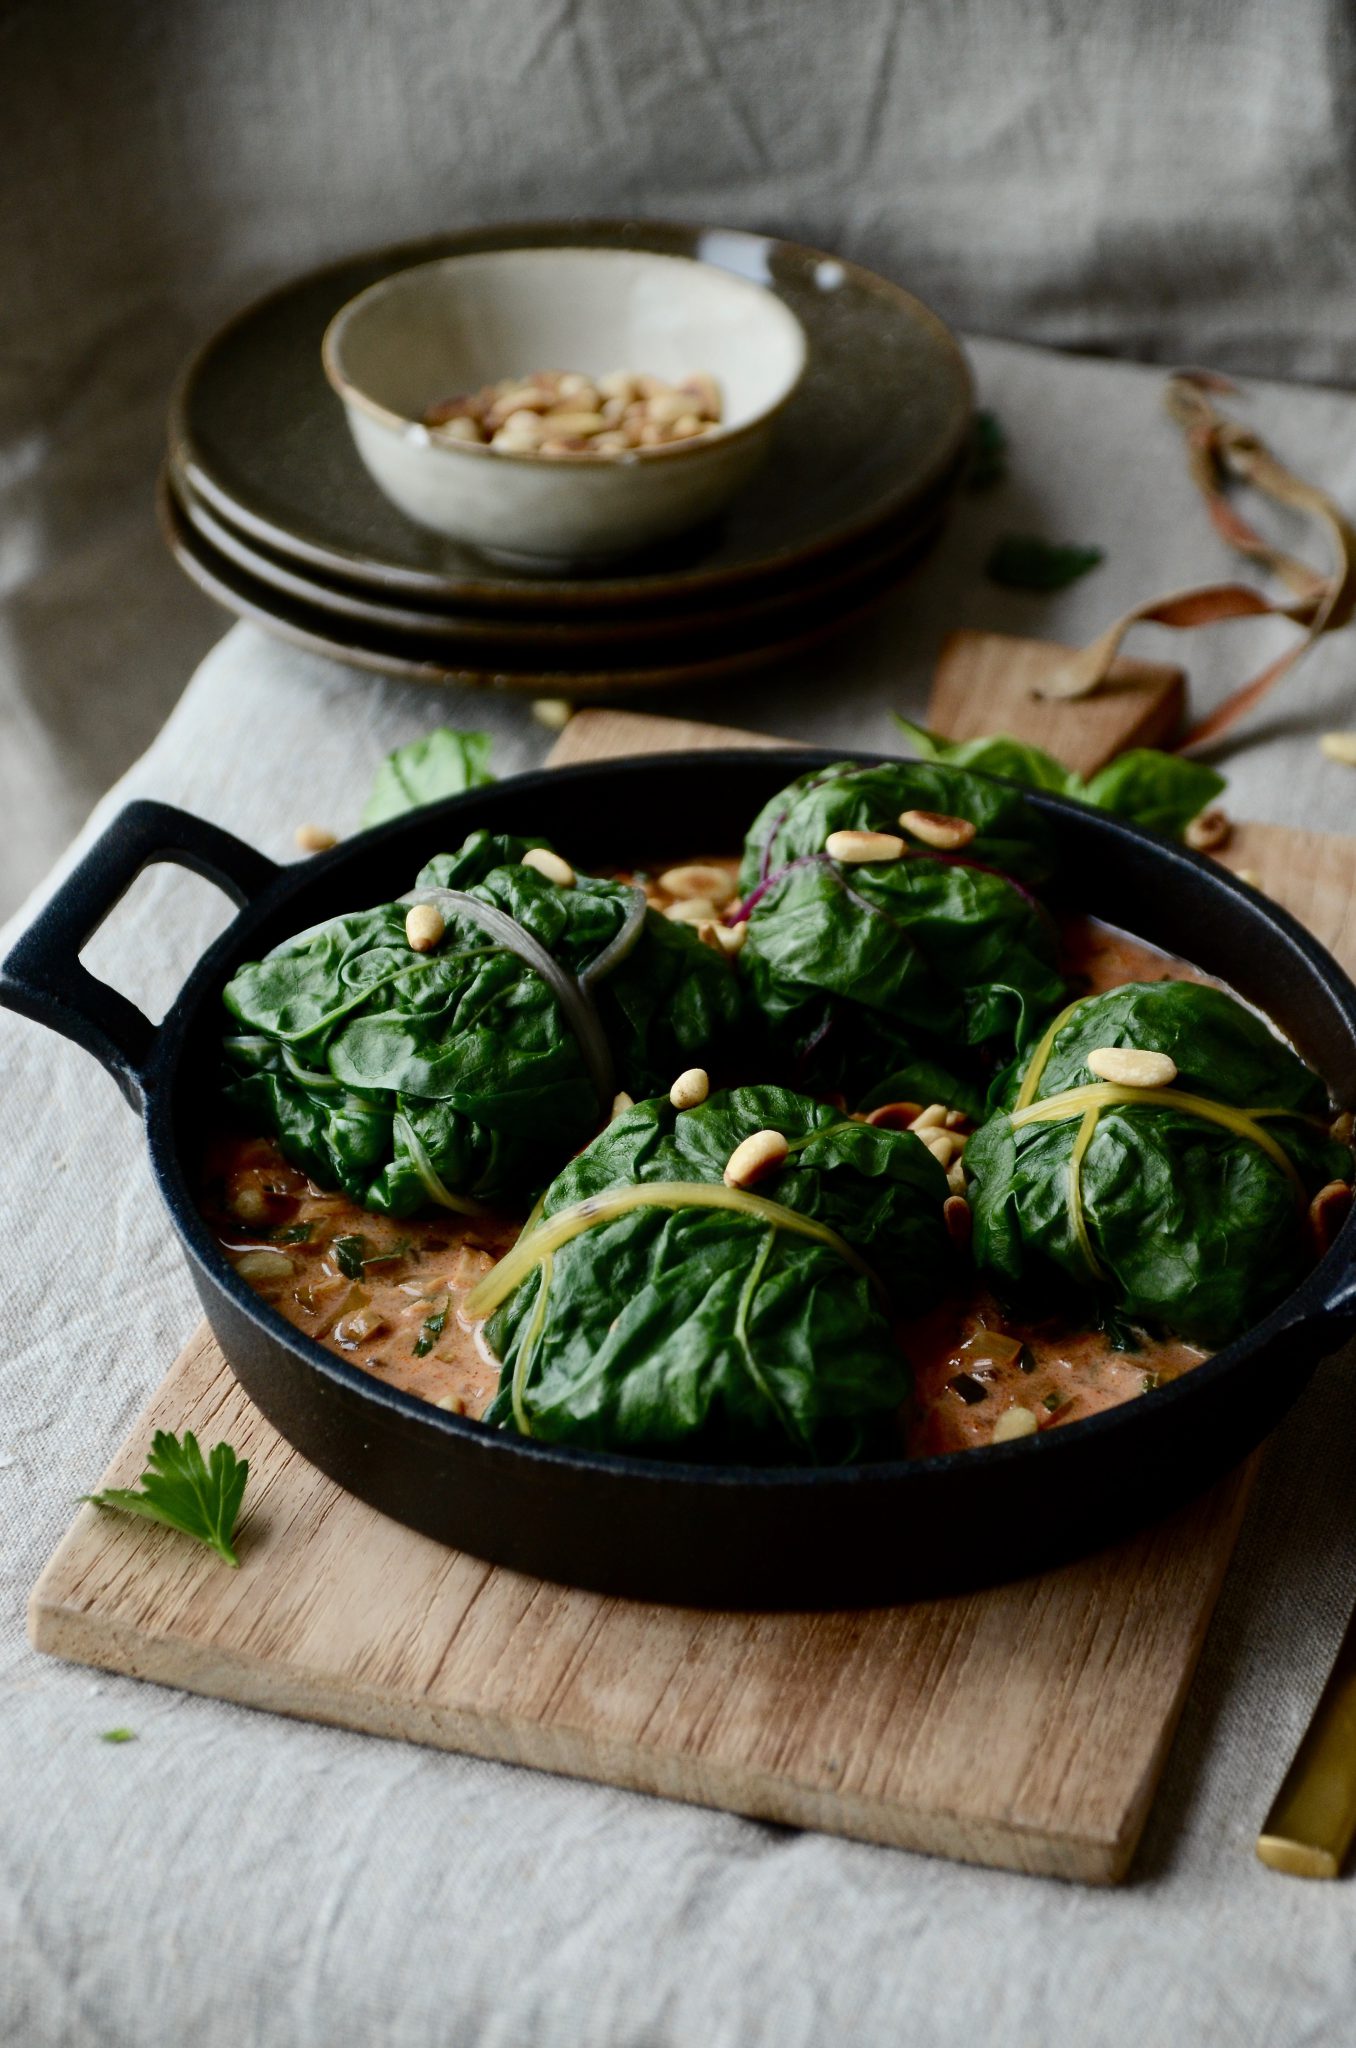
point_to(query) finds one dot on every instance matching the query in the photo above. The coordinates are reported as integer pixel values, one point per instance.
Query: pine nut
(693, 910)
(424, 927)
(1131, 1067)
(551, 865)
(692, 1087)
(705, 391)
(621, 1102)
(684, 428)
(753, 1158)
(619, 384)
(936, 828)
(955, 1176)
(461, 429)
(1248, 875)
(571, 423)
(957, 1218)
(940, 1144)
(574, 385)
(716, 885)
(1208, 831)
(1340, 746)
(554, 713)
(1013, 1424)
(956, 1119)
(931, 1118)
(1328, 1212)
(315, 838)
(667, 406)
(455, 1404)
(730, 937)
(263, 1266)
(854, 847)
(250, 1203)
(1341, 1127)
(895, 1116)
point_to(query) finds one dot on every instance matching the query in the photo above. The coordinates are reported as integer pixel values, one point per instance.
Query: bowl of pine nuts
(439, 368)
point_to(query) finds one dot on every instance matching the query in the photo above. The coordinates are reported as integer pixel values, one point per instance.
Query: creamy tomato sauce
(388, 1296)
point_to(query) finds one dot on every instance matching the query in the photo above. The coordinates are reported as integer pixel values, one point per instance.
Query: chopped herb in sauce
(430, 1331)
(291, 1233)
(1053, 1402)
(353, 1255)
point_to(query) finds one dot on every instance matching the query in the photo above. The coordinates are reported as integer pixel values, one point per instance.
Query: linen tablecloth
(233, 1878)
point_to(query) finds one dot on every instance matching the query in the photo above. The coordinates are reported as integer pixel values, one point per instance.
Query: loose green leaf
(988, 452)
(181, 1491)
(914, 975)
(291, 1233)
(118, 1735)
(350, 1255)
(1161, 791)
(1149, 1210)
(461, 1077)
(427, 771)
(1023, 561)
(430, 1330)
(711, 1333)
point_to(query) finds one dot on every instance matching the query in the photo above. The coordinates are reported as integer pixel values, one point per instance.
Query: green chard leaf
(936, 964)
(1023, 561)
(1163, 792)
(462, 1076)
(182, 1491)
(118, 1735)
(1181, 1209)
(428, 770)
(723, 1331)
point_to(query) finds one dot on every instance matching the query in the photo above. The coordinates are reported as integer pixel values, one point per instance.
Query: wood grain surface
(983, 683)
(1023, 1727)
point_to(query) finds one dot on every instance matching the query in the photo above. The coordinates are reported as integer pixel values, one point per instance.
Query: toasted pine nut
(715, 884)
(575, 385)
(940, 1144)
(553, 712)
(753, 1158)
(957, 1218)
(705, 391)
(683, 429)
(263, 1265)
(462, 428)
(250, 1203)
(693, 910)
(1248, 875)
(424, 927)
(854, 847)
(1129, 1066)
(692, 1086)
(533, 398)
(1340, 746)
(570, 423)
(956, 1119)
(895, 1116)
(932, 1118)
(1341, 1127)
(315, 838)
(618, 384)
(1328, 1212)
(937, 828)
(455, 1404)
(955, 1176)
(730, 937)
(1012, 1424)
(523, 422)
(1208, 832)
(668, 406)
(621, 1102)
(551, 865)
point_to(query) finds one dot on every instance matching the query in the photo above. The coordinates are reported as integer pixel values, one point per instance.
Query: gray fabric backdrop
(1121, 175)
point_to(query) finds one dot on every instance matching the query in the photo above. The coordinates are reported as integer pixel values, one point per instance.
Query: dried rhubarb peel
(1222, 452)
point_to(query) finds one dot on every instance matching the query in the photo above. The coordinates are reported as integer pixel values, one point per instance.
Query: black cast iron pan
(702, 1535)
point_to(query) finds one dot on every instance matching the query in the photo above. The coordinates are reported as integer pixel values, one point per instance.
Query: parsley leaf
(118, 1735)
(350, 1255)
(181, 1490)
(1022, 561)
(430, 1331)
(290, 1233)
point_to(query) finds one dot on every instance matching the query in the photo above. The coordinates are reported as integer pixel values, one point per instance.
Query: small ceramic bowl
(465, 321)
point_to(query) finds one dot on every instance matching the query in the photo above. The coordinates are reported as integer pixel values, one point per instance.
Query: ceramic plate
(878, 421)
(572, 639)
(416, 656)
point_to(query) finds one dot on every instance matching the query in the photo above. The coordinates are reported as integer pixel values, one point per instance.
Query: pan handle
(43, 977)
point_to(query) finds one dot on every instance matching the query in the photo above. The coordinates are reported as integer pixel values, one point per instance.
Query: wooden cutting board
(1025, 1727)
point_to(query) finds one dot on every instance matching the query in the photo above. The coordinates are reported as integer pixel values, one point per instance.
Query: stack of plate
(267, 506)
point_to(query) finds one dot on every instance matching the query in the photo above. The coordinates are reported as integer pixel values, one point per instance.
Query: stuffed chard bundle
(895, 946)
(1153, 1161)
(650, 1306)
(464, 1073)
